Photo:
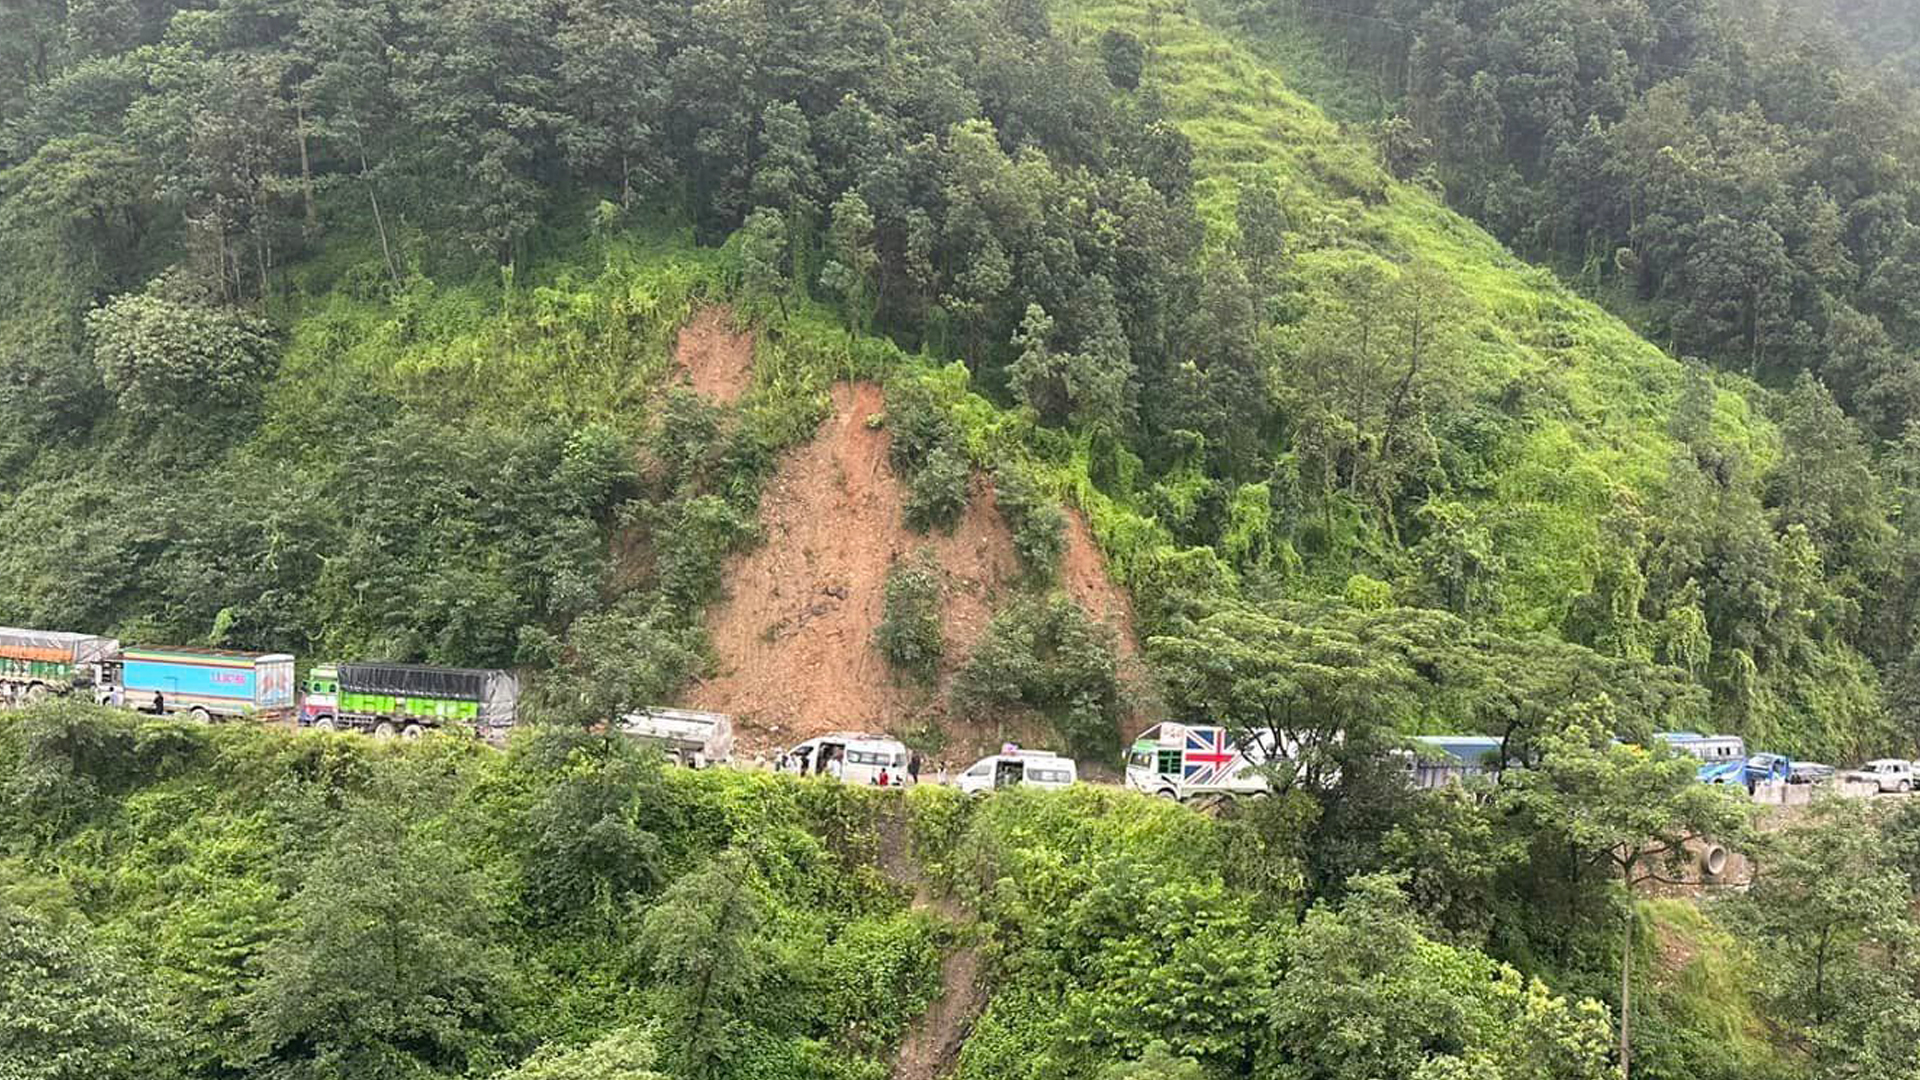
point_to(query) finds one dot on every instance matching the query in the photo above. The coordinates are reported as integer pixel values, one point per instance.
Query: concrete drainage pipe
(1713, 860)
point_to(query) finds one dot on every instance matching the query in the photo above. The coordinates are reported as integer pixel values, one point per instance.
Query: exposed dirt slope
(713, 356)
(932, 1045)
(1083, 571)
(793, 639)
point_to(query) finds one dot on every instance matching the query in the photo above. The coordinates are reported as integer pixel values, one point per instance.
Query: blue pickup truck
(1758, 769)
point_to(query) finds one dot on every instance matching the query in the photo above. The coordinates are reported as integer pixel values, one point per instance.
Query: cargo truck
(407, 699)
(694, 739)
(203, 684)
(1182, 761)
(35, 663)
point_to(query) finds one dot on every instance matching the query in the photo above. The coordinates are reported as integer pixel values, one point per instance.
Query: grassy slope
(1605, 392)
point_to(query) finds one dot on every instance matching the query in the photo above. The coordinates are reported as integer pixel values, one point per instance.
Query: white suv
(1887, 774)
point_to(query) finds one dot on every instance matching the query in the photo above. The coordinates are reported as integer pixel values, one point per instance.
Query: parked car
(1886, 774)
(1033, 768)
(1807, 772)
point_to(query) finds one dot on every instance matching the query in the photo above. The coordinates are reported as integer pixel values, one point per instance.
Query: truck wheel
(1168, 794)
(412, 731)
(324, 723)
(36, 692)
(200, 716)
(383, 730)
(1903, 787)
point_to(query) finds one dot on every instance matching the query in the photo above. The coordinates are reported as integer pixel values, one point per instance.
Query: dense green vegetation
(185, 901)
(1741, 182)
(345, 330)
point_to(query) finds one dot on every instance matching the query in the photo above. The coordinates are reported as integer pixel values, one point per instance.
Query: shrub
(167, 360)
(1124, 57)
(1039, 526)
(918, 426)
(938, 492)
(1049, 656)
(926, 452)
(909, 631)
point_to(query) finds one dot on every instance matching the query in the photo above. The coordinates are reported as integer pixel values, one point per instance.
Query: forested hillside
(1740, 182)
(345, 331)
(226, 903)
(1554, 380)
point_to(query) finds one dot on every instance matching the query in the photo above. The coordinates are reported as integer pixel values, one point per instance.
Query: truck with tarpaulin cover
(203, 684)
(408, 699)
(35, 663)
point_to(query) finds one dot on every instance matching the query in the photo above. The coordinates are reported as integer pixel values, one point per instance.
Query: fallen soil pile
(793, 639)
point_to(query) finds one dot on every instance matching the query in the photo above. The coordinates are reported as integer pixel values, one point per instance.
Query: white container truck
(694, 739)
(1182, 761)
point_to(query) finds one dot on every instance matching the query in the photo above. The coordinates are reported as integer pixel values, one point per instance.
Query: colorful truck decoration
(407, 699)
(205, 684)
(1180, 761)
(34, 663)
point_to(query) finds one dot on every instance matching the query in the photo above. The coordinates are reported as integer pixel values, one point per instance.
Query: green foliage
(390, 968)
(1049, 656)
(1039, 525)
(622, 1054)
(909, 632)
(1124, 56)
(174, 361)
(703, 942)
(266, 904)
(1430, 1010)
(1831, 915)
(937, 492)
(589, 855)
(70, 1010)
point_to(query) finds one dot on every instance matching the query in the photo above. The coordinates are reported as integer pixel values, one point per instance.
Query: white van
(1034, 768)
(864, 759)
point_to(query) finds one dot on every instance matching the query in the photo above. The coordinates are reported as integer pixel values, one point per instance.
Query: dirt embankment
(793, 638)
(713, 356)
(931, 1047)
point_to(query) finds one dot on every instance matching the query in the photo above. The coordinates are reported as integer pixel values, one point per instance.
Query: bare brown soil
(793, 639)
(932, 1045)
(714, 357)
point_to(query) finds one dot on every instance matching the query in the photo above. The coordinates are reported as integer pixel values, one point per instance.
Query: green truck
(34, 663)
(407, 700)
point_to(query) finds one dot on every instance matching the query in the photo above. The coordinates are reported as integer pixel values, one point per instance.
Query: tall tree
(391, 967)
(1623, 806)
(701, 941)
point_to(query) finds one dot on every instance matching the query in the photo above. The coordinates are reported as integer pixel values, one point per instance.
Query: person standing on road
(835, 767)
(913, 766)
